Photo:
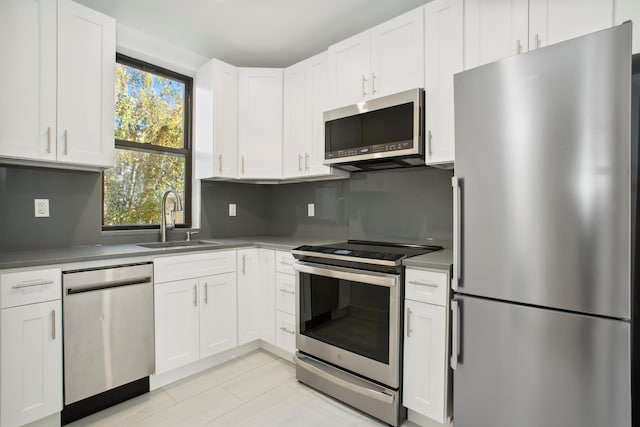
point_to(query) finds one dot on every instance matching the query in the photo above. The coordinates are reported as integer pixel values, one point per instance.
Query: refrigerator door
(542, 157)
(530, 367)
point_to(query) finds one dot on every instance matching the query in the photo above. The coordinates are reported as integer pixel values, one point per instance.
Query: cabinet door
(317, 104)
(31, 363)
(28, 82)
(349, 70)
(443, 58)
(218, 314)
(425, 362)
(86, 58)
(260, 122)
(556, 21)
(267, 298)
(249, 293)
(296, 131)
(286, 331)
(397, 54)
(176, 321)
(494, 29)
(629, 10)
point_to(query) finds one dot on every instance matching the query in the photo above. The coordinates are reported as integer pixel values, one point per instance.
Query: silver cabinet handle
(30, 283)
(219, 163)
(49, 139)
(421, 283)
(518, 47)
(285, 262)
(306, 161)
(242, 166)
(537, 41)
(287, 330)
(457, 229)
(373, 83)
(244, 264)
(408, 322)
(455, 330)
(299, 162)
(364, 83)
(429, 138)
(206, 293)
(195, 295)
(66, 142)
(53, 324)
(287, 291)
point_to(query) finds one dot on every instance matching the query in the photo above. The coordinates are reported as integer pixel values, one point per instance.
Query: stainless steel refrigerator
(544, 206)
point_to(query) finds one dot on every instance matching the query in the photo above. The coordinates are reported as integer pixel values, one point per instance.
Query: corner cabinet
(443, 58)
(260, 123)
(216, 121)
(57, 104)
(31, 348)
(427, 378)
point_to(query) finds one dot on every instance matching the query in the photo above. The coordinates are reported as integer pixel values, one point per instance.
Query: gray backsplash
(396, 205)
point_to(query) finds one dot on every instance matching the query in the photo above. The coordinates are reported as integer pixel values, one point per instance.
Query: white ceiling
(252, 33)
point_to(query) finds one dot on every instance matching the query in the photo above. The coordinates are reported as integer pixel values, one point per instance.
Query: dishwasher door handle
(108, 285)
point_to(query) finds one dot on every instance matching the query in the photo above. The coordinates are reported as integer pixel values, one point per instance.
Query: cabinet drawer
(286, 293)
(427, 286)
(286, 331)
(179, 267)
(284, 262)
(28, 287)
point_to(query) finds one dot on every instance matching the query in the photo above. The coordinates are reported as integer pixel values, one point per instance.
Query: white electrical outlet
(41, 208)
(232, 209)
(311, 210)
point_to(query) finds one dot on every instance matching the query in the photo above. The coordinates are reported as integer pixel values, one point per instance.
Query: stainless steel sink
(179, 244)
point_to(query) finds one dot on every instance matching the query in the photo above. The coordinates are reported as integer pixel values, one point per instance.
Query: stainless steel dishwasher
(108, 336)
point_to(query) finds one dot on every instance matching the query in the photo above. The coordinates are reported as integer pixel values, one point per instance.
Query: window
(152, 146)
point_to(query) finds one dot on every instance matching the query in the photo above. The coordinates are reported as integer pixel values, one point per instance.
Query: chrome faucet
(163, 213)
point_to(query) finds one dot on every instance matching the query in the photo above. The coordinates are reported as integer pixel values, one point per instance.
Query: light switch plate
(232, 209)
(41, 208)
(311, 210)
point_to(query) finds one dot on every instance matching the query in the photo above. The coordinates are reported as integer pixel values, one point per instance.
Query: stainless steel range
(349, 322)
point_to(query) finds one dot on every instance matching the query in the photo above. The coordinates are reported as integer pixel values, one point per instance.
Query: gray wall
(397, 205)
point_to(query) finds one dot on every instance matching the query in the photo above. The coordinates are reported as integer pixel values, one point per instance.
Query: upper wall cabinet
(216, 121)
(629, 10)
(381, 61)
(305, 99)
(495, 29)
(57, 85)
(260, 123)
(443, 58)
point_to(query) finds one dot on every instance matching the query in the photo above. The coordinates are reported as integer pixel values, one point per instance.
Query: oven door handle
(362, 276)
(375, 394)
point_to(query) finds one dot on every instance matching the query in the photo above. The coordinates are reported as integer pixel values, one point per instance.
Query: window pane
(149, 108)
(133, 188)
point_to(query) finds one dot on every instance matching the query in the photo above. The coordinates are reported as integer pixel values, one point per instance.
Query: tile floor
(257, 389)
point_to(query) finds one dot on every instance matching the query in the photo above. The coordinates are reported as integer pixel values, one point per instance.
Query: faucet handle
(190, 234)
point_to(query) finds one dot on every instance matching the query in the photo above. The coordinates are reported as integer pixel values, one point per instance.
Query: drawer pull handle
(287, 291)
(421, 283)
(39, 282)
(285, 262)
(289, 331)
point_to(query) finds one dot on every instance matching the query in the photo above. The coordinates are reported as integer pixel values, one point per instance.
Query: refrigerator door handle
(457, 228)
(455, 334)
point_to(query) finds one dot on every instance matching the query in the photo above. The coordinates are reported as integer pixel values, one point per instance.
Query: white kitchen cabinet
(57, 85)
(260, 123)
(285, 301)
(286, 331)
(383, 60)
(305, 100)
(267, 323)
(249, 294)
(443, 58)
(629, 10)
(195, 307)
(426, 375)
(31, 347)
(216, 121)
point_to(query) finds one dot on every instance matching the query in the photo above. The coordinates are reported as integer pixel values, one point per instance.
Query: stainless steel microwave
(382, 133)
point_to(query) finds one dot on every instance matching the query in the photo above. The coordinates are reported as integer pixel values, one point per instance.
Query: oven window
(350, 315)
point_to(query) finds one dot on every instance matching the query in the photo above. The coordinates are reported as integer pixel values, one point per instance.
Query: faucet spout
(163, 216)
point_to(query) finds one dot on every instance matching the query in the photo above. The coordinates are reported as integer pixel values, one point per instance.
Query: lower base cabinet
(286, 331)
(218, 326)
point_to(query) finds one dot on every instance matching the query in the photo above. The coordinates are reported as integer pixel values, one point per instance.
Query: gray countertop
(19, 259)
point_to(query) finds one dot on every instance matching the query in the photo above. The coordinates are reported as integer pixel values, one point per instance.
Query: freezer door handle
(455, 333)
(457, 229)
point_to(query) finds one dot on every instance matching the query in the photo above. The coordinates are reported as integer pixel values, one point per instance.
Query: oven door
(351, 319)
